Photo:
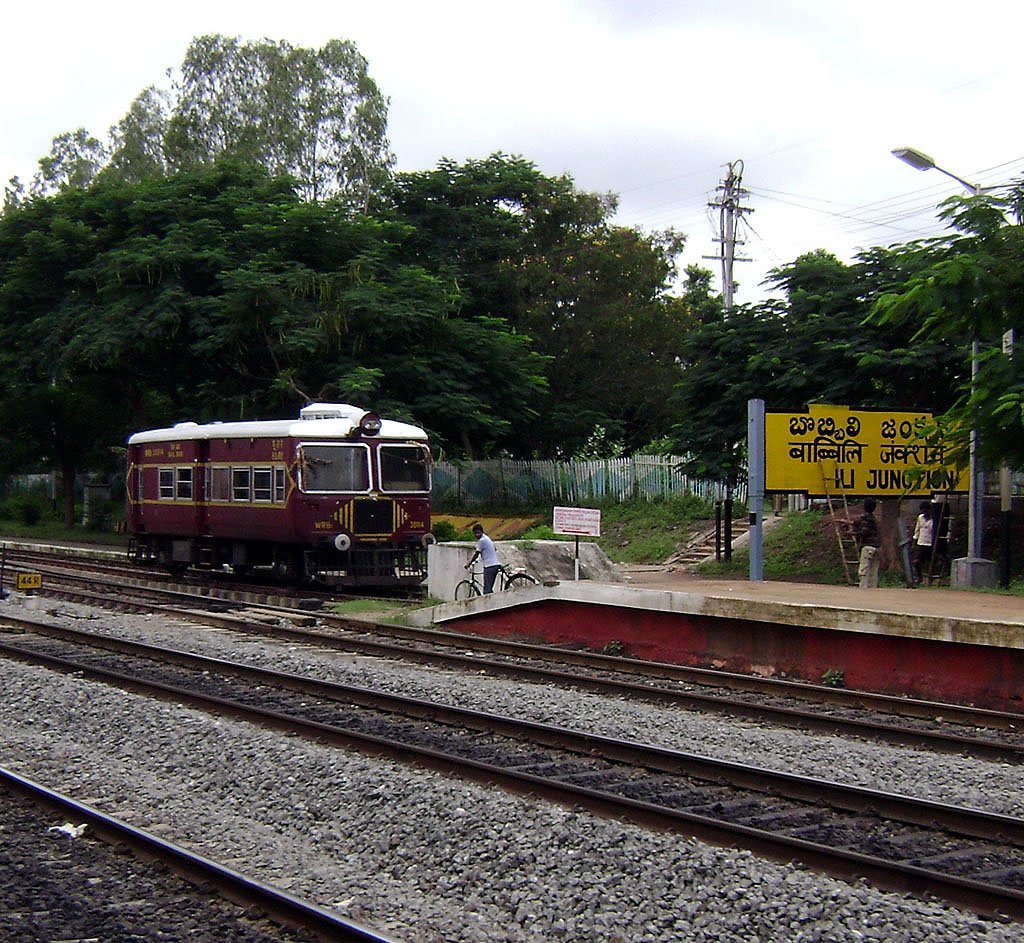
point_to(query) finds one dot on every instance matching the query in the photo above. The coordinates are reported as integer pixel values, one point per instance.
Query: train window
(261, 484)
(220, 484)
(184, 484)
(166, 476)
(404, 468)
(279, 483)
(334, 468)
(241, 479)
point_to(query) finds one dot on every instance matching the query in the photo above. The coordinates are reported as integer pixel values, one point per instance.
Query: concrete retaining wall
(550, 561)
(960, 660)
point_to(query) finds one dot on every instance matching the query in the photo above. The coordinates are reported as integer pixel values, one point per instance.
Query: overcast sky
(647, 99)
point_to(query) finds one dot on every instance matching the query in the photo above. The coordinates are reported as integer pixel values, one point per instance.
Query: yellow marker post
(28, 582)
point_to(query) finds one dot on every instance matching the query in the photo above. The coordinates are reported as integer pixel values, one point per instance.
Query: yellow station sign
(834, 449)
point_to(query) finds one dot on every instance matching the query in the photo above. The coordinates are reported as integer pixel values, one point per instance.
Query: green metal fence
(508, 483)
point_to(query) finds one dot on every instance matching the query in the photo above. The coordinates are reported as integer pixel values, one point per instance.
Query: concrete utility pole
(730, 215)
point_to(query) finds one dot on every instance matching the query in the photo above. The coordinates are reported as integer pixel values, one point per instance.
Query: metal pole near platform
(755, 484)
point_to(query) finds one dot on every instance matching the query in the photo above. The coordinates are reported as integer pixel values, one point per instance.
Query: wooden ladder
(849, 552)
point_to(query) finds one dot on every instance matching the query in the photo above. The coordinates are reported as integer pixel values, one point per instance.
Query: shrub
(28, 511)
(443, 530)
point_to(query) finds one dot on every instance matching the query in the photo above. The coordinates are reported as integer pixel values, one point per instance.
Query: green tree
(970, 286)
(137, 140)
(832, 352)
(221, 294)
(594, 298)
(14, 194)
(314, 114)
(728, 357)
(58, 425)
(815, 345)
(74, 160)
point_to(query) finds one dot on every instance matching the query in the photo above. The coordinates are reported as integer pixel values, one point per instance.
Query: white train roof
(316, 421)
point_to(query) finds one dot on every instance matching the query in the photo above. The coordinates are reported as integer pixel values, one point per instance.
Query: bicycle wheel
(521, 581)
(467, 589)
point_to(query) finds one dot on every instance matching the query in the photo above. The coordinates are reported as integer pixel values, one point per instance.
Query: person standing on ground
(865, 530)
(924, 540)
(488, 556)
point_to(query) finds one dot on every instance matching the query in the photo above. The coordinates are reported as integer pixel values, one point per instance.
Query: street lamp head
(917, 159)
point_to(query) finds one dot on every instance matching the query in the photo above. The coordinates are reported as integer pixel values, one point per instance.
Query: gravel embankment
(426, 858)
(59, 885)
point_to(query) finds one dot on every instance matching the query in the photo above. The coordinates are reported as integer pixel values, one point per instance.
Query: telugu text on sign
(833, 449)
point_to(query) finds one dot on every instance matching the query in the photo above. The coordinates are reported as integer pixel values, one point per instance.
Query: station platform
(975, 609)
(930, 643)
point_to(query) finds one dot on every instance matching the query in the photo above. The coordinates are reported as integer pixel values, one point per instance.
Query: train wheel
(520, 581)
(466, 590)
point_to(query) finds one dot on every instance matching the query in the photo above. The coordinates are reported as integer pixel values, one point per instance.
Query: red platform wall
(981, 675)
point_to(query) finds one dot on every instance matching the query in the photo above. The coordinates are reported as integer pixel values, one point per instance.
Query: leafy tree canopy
(220, 293)
(968, 287)
(815, 346)
(314, 114)
(594, 298)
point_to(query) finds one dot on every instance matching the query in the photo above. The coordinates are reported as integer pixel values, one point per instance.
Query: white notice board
(583, 522)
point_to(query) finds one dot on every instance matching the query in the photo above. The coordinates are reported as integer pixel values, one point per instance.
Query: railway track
(972, 859)
(992, 735)
(64, 563)
(161, 891)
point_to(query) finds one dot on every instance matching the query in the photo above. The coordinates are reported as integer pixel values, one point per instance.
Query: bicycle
(507, 579)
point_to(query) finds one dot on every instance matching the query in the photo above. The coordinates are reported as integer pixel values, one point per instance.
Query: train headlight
(342, 542)
(427, 539)
(370, 424)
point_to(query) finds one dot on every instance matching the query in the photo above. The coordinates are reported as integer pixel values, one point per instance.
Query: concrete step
(702, 545)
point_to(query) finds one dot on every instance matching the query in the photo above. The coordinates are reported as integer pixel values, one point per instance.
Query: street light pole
(975, 571)
(919, 160)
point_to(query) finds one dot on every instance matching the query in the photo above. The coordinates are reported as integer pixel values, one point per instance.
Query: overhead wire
(901, 217)
(892, 214)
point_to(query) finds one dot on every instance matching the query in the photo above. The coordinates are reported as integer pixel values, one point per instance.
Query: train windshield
(404, 468)
(334, 468)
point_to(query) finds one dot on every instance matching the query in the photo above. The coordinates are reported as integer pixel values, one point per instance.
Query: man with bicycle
(488, 556)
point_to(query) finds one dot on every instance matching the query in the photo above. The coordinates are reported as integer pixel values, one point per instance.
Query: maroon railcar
(339, 497)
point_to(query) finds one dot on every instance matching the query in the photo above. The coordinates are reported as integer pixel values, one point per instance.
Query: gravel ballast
(58, 883)
(428, 858)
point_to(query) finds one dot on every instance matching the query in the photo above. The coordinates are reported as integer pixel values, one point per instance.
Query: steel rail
(711, 677)
(855, 798)
(796, 717)
(839, 697)
(280, 906)
(975, 895)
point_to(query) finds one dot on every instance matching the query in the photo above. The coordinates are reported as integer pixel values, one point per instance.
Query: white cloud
(648, 99)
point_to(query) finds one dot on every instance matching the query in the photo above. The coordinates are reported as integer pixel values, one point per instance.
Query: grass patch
(651, 531)
(46, 530)
(353, 606)
(1016, 588)
(631, 531)
(799, 547)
